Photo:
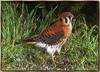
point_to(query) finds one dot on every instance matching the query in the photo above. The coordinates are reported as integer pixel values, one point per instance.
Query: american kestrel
(53, 38)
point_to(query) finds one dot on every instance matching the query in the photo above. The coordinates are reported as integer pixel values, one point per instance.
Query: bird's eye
(69, 17)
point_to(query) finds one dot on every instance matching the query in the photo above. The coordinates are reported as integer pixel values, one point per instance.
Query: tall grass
(80, 52)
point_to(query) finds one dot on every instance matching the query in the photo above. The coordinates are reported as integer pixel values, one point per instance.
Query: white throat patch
(68, 21)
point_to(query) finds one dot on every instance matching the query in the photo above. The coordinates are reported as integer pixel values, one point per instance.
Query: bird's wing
(52, 35)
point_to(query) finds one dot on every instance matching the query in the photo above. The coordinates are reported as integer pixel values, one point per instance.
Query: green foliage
(80, 51)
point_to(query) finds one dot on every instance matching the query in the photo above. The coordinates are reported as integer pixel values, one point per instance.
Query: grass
(80, 52)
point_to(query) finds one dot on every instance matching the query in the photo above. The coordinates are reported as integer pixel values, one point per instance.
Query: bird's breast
(67, 31)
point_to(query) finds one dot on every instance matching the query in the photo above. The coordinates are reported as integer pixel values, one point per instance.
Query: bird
(53, 37)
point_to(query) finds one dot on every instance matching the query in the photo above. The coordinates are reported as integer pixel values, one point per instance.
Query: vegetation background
(22, 19)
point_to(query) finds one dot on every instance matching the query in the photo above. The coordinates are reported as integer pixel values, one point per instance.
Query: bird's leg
(53, 57)
(59, 49)
(53, 60)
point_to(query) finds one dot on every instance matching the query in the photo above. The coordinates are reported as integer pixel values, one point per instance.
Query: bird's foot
(53, 60)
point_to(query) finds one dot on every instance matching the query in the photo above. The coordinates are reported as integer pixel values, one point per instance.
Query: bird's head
(66, 18)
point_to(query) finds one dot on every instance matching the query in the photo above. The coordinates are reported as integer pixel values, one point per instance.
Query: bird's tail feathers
(29, 40)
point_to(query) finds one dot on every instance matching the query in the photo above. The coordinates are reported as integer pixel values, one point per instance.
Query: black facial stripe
(65, 19)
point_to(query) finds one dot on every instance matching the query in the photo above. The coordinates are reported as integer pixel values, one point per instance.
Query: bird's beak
(73, 17)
